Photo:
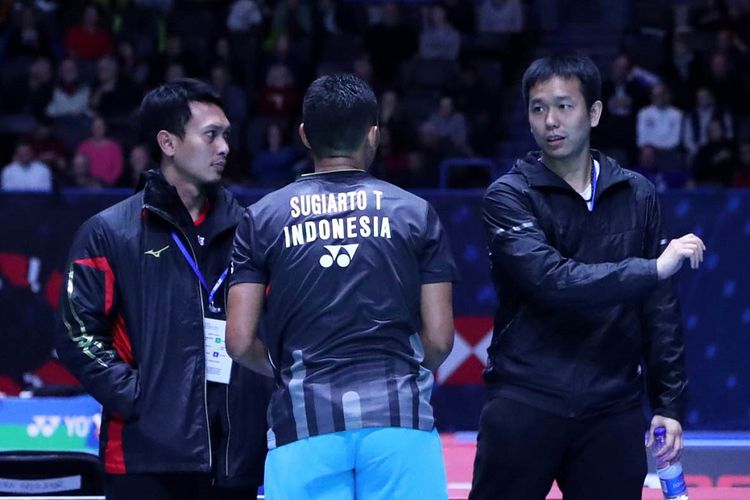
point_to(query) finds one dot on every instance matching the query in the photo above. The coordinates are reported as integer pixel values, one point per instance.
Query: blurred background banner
(50, 424)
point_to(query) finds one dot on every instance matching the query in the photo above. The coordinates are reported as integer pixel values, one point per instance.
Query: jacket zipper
(229, 435)
(166, 217)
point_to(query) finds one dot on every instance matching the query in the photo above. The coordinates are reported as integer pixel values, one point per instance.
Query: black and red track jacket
(131, 330)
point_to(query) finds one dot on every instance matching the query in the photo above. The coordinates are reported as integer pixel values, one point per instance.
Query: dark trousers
(521, 450)
(173, 486)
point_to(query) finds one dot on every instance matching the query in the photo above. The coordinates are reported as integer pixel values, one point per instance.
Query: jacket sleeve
(663, 347)
(90, 336)
(521, 251)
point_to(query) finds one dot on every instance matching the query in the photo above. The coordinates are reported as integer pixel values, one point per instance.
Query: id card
(218, 362)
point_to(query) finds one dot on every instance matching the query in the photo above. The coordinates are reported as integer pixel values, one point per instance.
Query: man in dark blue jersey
(353, 277)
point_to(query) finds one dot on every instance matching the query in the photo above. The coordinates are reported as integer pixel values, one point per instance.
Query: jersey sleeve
(248, 259)
(436, 264)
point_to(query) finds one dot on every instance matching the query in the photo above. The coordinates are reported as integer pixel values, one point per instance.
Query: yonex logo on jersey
(342, 259)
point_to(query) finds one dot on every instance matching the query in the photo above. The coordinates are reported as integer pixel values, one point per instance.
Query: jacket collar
(539, 176)
(161, 198)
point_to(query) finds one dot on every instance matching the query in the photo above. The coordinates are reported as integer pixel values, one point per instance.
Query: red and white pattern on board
(469, 355)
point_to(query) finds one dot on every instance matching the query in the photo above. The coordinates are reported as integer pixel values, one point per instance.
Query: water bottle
(670, 472)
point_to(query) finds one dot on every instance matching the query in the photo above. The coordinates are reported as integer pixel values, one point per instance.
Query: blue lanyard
(194, 266)
(594, 179)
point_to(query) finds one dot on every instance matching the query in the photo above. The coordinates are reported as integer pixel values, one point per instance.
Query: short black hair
(337, 112)
(167, 107)
(565, 65)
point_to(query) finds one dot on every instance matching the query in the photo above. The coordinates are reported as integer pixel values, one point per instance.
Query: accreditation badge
(218, 362)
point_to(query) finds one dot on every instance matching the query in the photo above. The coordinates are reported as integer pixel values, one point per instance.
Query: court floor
(459, 450)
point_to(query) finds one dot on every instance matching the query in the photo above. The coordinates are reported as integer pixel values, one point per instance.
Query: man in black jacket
(142, 318)
(586, 315)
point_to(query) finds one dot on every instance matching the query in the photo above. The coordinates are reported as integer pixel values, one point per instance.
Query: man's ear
(373, 136)
(303, 136)
(166, 142)
(595, 113)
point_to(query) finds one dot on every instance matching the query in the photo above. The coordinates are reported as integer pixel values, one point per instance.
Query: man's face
(68, 71)
(620, 68)
(660, 96)
(80, 166)
(559, 118)
(704, 98)
(390, 14)
(41, 71)
(90, 17)
(139, 159)
(201, 154)
(218, 77)
(106, 70)
(446, 107)
(24, 154)
(98, 128)
(719, 66)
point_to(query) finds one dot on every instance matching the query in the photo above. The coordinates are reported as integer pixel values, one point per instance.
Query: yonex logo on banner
(342, 259)
(75, 425)
(44, 425)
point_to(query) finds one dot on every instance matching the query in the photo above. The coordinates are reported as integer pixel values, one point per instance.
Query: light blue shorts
(365, 464)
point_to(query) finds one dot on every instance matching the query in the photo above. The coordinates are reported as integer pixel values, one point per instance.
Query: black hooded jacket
(582, 317)
(131, 330)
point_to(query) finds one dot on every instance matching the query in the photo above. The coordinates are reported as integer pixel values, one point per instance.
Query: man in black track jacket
(142, 315)
(586, 315)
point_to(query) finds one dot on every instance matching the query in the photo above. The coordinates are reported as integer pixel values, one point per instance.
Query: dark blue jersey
(344, 256)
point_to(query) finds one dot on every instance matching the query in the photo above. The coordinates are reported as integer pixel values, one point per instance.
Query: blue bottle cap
(660, 431)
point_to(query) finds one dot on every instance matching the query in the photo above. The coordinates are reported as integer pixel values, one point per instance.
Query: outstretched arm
(520, 249)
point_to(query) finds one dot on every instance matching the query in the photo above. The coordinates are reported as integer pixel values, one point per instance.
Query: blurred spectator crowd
(676, 99)
(73, 74)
